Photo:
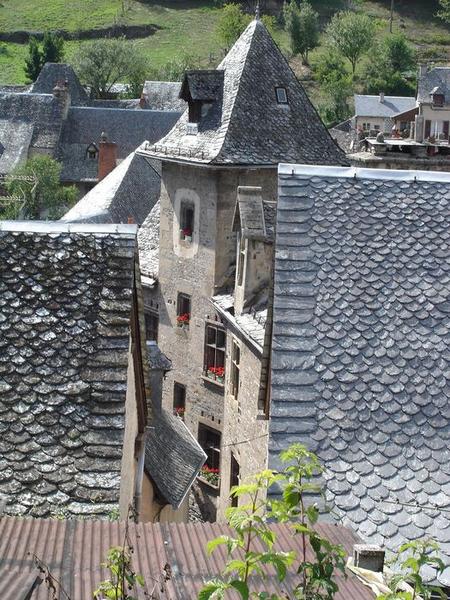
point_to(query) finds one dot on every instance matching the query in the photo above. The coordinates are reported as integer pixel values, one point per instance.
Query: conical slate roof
(52, 73)
(246, 124)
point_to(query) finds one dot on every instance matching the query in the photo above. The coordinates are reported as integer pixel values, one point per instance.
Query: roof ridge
(63, 227)
(253, 24)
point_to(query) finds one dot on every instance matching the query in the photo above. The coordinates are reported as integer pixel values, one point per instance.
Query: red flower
(184, 318)
(186, 232)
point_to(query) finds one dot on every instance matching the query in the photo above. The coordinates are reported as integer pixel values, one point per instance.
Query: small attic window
(438, 99)
(281, 95)
(92, 152)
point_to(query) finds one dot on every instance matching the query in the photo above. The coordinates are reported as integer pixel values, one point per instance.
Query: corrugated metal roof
(73, 551)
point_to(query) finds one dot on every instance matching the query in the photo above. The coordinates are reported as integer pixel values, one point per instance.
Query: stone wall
(242, 421)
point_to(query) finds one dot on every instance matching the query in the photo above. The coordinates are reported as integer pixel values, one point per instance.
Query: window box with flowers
(216, 373)
(186, 235)
(183, 320)
(179, 412)
(210, 476)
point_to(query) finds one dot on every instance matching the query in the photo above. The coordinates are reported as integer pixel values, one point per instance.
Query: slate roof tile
(59, 449)
(384, 414)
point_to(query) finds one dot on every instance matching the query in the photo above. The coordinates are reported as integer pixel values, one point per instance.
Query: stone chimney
(381, 97)
(423, 69)
(61, 92)
(368, 556)
(107, 156)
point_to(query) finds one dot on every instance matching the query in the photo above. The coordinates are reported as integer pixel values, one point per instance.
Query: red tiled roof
(73, 551)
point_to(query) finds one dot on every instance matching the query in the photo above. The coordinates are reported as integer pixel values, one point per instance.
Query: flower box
(210, 475)
(186, 235)
(183, 320)
(179, 412)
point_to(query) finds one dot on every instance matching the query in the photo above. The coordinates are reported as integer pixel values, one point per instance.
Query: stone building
(241, 121)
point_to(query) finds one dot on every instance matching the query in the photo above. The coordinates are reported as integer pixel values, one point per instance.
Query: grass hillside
(188, 27)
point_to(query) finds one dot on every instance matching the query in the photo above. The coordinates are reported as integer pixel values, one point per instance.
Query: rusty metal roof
(73, 551)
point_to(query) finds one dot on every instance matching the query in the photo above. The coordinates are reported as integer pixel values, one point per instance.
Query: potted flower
(179, 412)
(186, 234)
(216, 373)
(183, 320)
(210, 475)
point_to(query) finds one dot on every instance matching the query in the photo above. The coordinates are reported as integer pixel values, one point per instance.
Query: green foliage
(337, 87)
(174, 69)
(36, 189)
(33, 62)
(250, 521)
(302, 25)
(231, 24)
(351, 34)
(104, 62)
(52, 48)
(385, 71)
(122, 576)
(52, 51)
(410, 560)
(444, 12)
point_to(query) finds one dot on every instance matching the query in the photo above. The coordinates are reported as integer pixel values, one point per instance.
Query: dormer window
(281, 94)
(438, 100)
(92, 152)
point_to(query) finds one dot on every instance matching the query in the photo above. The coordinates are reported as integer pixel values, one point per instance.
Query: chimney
(423, 69)
(61, 92)
(382, 97)
(368, 556)
(107, 156)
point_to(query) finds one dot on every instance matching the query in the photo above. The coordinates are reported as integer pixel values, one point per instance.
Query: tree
(33, 62)
(302, 25)
(37, 190)
(336, 85)
(52, 48)
(385, 71)
(104, 62)
(52, 51)
(231, 24)
(351, 34)
(444, 13)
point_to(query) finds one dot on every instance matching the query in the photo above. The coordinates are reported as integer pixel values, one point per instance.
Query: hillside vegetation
(188, 28)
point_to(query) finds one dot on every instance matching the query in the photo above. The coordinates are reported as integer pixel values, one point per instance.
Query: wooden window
(366, 126)
(281, 95)
(187, 217)
(214, 359)
(183, 309)
(179, 399)
(438, 100)
(209, 440)
(235, 361)
(195, 111)
(427, 129)
(234, 478)
(151, 325)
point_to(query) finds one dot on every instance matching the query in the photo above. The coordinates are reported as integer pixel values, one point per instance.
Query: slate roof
(253, 216)
(173, 457)
(246, 125)
(342, 133)
(53, 73)
(371, 106)
(128, 128)
(202, 85)
(129, 191)
(163, 95)
(439, 77)
(65, 304)
(252, 324)
(361, 325)
(148, 244)
(27, 121)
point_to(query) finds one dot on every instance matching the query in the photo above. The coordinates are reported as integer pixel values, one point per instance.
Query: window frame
(438, 100)
(187, 225)
(151, 314)
(212, 451)
(179, 391)
(183, 316)
(216, 349)
(235, 368)
(283, 90)
(235, 479)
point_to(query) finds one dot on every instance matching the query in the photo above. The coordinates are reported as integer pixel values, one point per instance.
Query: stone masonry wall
(242, 421)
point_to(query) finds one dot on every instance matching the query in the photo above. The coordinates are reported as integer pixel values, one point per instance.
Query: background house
(377, 113)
